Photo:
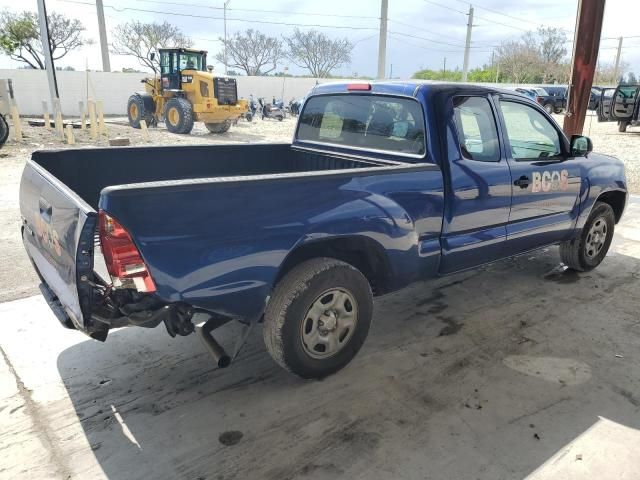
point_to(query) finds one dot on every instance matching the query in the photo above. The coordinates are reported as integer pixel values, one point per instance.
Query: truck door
(545, 178)
(604, 106)
(624, 102)
(478, 187)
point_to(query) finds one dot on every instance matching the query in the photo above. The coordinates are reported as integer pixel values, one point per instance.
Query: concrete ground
(517, 370)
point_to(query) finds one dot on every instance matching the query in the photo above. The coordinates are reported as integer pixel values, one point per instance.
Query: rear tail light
(539, 99)
(124, 262)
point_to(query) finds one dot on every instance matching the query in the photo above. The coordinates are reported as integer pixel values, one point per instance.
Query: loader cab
(175, 61)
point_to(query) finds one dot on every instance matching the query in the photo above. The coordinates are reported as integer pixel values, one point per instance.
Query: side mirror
(152, 57)
(580, 146)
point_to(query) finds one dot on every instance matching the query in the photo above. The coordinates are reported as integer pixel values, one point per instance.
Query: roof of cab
(407, 87)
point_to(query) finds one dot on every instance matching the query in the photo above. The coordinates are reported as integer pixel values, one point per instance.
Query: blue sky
(421, 32)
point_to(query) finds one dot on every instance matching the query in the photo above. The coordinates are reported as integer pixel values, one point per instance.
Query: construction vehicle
(186, 93)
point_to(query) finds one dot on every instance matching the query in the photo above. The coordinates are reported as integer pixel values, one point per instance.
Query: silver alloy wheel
(596, 238)
(329, 323)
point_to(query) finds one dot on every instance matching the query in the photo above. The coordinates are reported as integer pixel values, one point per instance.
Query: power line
(200, 5)
(513, 17)
(192, 15)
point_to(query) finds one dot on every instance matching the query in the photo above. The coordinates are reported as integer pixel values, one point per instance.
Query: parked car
(621, 104)
(384, 184)
(553, 99)
(527, 92)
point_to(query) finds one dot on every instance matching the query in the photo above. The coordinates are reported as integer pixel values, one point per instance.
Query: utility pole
(467, 46)
(391, 72)
(586, 44)
(617, 67)
(382, 42)
(444, 69)
(104, 46)
(48, 58)
(226, 3)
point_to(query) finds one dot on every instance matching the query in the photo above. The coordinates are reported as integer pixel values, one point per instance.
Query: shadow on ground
(481, 375)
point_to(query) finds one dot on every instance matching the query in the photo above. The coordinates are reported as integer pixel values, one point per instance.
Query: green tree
(20, 37)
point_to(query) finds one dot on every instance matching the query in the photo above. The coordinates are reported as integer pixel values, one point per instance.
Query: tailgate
(58, 229)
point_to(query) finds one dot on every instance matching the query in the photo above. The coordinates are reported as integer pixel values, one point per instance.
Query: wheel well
(363, 253)
(617, 200)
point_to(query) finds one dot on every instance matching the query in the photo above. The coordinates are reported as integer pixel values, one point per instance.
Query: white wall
(30, 89)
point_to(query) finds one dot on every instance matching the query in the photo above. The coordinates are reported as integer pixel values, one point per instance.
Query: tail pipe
(215, 349)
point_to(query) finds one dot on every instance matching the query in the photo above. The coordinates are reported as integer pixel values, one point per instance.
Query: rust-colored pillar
(585, 55)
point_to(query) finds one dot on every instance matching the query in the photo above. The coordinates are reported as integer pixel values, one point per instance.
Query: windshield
(541, 91)
(190, 61)
(364, 121)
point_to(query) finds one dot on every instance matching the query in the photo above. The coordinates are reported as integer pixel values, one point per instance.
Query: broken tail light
(123, 260)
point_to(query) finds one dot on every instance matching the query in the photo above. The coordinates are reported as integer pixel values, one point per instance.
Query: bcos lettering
(549, 181)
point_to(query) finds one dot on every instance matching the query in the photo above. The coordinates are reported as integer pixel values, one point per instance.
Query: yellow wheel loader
(185, 93)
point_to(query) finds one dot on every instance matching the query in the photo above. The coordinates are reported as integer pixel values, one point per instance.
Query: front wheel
(549, 108)
(587, 250)
(318, 317)
(178, 115)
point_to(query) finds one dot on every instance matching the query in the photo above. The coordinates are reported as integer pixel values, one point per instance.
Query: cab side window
(476, 126)
(531, 135)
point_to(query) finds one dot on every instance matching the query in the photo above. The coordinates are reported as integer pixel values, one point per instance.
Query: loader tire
(218, 127)
(178, 116)
(4, 130)
(137, 110)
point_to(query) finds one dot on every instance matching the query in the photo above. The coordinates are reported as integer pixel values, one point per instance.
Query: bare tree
(20, 37)
(606, 74)
(317, 52)
(519, 60)
(552, 44)
(252, 51)
(141, 40)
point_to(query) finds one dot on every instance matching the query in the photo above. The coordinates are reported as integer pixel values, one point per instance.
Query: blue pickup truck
(383, 185)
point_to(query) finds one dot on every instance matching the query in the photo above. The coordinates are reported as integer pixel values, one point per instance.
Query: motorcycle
(271, 111)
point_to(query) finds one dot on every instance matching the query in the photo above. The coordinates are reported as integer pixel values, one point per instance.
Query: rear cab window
(477, 131)
(364, 121)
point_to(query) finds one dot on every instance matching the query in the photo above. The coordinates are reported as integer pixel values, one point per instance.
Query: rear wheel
(178, 115)
(587, 250)
(218, 127)
(136, 111)
(622, 126)
(318, 317)
(4, 130)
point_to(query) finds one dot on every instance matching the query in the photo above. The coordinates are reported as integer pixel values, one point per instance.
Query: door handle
(522, 182)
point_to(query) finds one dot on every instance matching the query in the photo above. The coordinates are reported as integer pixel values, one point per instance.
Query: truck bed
(87, 171)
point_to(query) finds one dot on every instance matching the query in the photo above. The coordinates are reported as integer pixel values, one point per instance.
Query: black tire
(280, 118)
(286, 316)
(218, 127)
(622, 126)
(4, 130)
(548, 108)
(558, 110)
(578, 253)
(137, 110)
(178, 115)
